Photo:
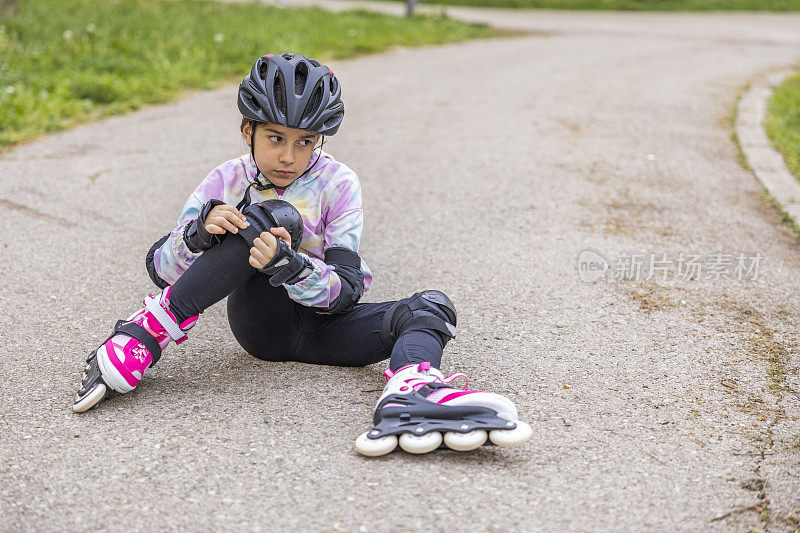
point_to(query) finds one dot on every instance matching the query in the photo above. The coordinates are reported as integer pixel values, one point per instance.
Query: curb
(766, 162)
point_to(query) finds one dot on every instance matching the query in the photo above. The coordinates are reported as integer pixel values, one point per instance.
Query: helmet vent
(334, 120)
(251, 99)
(263, 68)
(300, 78)
(314, 103)
(279, 92)
(334, 84)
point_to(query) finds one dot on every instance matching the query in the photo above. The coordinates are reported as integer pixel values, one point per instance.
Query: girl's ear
(246, 132)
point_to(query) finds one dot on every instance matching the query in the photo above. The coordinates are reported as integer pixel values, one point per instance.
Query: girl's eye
(306, 142)
(274, 138)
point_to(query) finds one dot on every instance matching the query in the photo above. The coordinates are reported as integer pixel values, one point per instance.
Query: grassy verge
(783, 122)
(636, 5)
(785, 217)
(69, 61)
(745, 164)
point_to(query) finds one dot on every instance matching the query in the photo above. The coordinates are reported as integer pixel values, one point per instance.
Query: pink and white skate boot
(136, 344)
(418, 404)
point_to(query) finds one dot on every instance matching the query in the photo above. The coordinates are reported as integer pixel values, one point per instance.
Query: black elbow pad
(149, 261)
(347, 265)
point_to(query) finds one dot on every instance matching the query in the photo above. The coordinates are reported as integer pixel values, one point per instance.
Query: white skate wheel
(375, 447)
(420, 443)
(511, 437)
(91, 398)
(464, 442)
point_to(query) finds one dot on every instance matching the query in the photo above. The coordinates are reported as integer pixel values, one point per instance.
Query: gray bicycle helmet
(293, 91)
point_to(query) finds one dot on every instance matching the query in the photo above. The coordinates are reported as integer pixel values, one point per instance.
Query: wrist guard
(196, 237)
(287, 266)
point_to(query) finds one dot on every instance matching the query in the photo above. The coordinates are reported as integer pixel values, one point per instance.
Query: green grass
(636, 5)
(67, 61)
(785, 217)
(783, 122)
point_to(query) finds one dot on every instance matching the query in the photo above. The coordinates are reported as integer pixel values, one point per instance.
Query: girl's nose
(287, 156)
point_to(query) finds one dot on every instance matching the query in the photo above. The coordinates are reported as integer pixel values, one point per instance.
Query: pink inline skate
(136, 344)
(418, 404)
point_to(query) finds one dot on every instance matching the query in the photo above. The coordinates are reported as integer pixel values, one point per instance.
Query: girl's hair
(255, 124)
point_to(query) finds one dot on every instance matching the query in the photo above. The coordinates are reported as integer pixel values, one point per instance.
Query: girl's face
(282, 154)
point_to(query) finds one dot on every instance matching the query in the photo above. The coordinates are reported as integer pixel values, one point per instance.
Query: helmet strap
(312, 164)
(260, 185)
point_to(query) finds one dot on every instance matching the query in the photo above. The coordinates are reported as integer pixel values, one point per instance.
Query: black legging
(271, 326)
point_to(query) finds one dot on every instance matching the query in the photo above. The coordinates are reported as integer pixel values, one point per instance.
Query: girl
(286, 256)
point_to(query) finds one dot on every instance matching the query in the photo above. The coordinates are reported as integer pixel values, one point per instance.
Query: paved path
(487, 168)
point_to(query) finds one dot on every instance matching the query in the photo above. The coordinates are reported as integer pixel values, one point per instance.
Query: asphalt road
(487, 168)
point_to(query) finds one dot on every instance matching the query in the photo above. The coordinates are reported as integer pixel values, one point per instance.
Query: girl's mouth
(284, 173)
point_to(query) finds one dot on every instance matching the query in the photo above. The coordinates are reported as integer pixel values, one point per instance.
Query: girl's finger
(263, 247)
(239, 216)
(231, 209)
(234, 217)
(225, 223)
(256, 254)
(213, 228)
(254, 262)
(281, 232)
(269, 239)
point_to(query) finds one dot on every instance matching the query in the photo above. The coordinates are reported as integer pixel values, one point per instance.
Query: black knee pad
(269, 214)
(426, 311)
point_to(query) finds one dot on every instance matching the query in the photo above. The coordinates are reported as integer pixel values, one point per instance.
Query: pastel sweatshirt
(328, 197)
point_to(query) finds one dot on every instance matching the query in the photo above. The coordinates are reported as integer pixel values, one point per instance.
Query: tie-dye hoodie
(328, 197)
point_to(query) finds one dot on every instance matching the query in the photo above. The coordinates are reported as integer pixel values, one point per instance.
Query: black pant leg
(347, 339)
(213, 276)
(264, 320)
(417, 347)
(354, 339)
(269, 325)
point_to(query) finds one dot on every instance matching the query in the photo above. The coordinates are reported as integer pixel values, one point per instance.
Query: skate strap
(140, 334)
(166, 321)
(455, 376)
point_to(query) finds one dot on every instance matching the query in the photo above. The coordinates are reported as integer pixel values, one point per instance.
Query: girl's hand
(225, 218)
(265, 246)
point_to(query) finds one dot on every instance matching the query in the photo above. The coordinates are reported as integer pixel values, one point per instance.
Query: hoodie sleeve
(343, 223)
(174, 257)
